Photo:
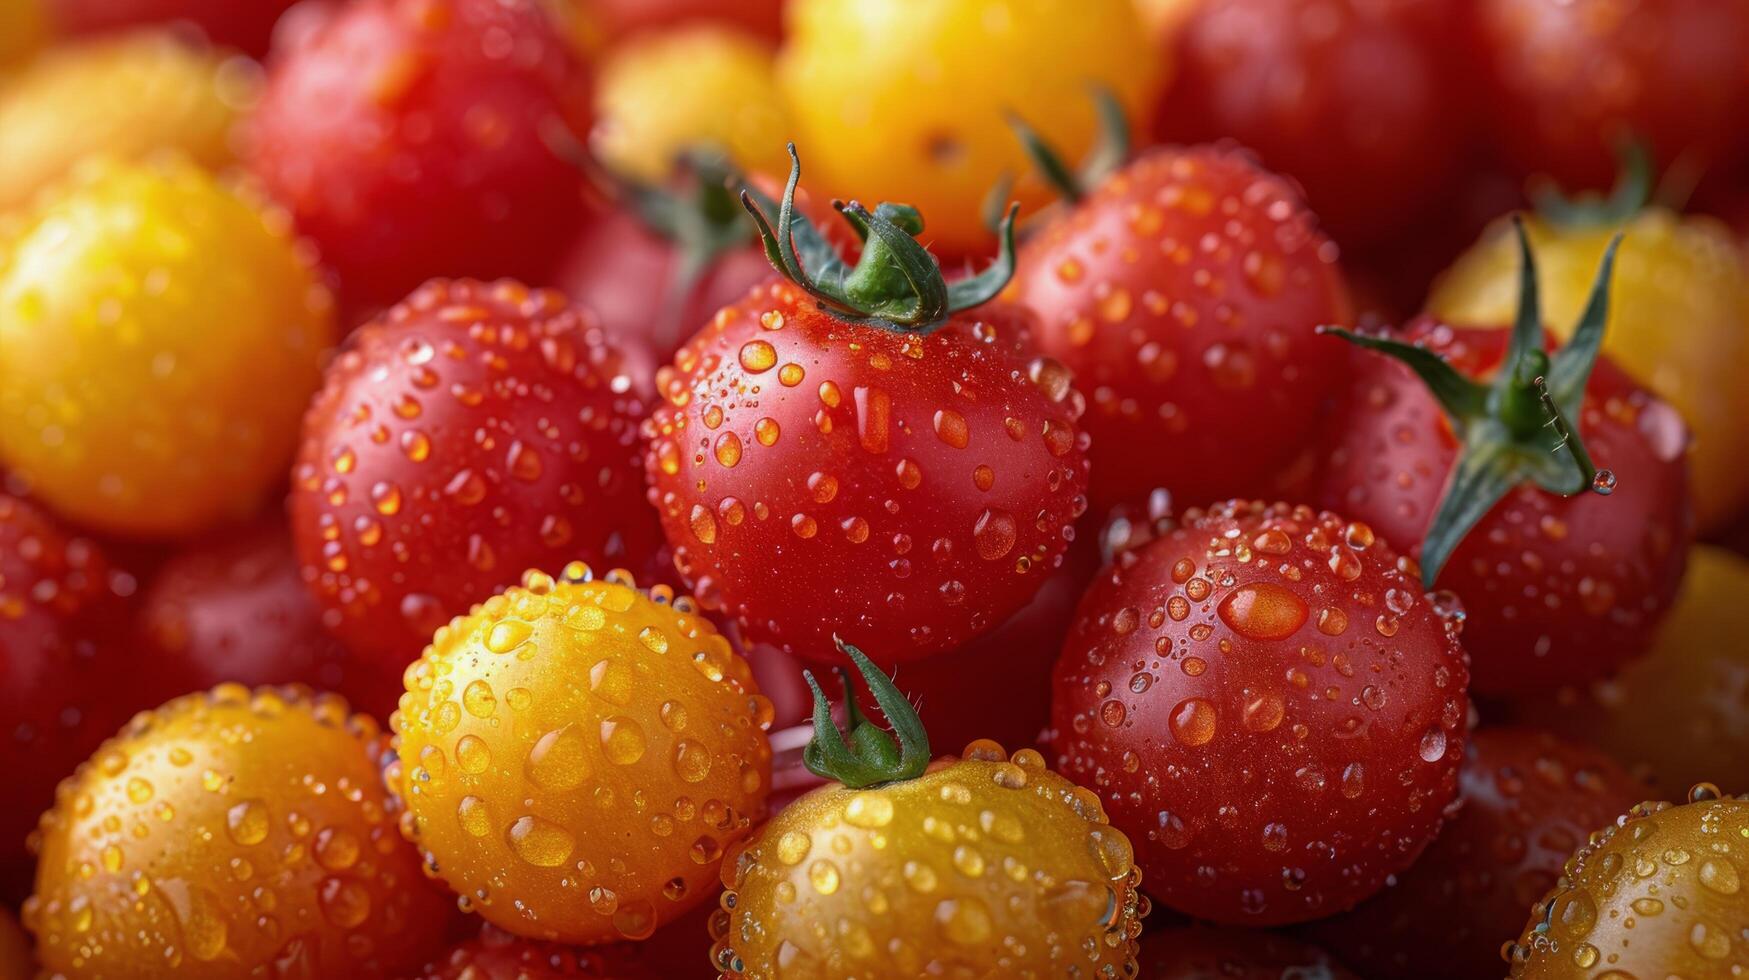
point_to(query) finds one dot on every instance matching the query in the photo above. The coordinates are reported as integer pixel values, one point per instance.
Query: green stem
(871, 755)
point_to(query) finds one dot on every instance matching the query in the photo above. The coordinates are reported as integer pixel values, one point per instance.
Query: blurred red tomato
(1208, 953)
(606, 21)
(243, 24)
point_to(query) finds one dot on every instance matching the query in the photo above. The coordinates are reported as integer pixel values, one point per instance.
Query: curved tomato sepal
(1519, 427)
(872, 756)
(1630, 195)
(896, 284)
(1109, 152)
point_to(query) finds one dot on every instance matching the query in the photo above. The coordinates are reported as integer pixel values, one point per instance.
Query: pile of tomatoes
(1093, 489)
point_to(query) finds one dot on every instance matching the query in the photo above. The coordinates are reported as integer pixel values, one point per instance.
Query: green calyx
(1519, 427)
(896, 284)
(1630, 195)
(868, 755)
(1108, 153)
(699, 214)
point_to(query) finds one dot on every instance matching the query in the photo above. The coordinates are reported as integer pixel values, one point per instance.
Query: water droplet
(1603, 483)
(541, 843)
(692, 761)
(473, 755)
(559, 760)
(869, 810)
(1433, 744)
(758, 356)
(1193, 722)
(994, 533)
(950, 427)
(1263, 611)
(965, 921)
(478, 699)
(247, 822)
(824, 876)
(622, 739)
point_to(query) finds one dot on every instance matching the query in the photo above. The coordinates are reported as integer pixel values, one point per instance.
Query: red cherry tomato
(611, 20)
(1556, 590)
(1359, 100)
(413, 138)
(1205, 953)
(1529, 801)
(908, 492)
(474, 431)
(1184, 292)
(1270, 709)
(237, 610)
(247, 25)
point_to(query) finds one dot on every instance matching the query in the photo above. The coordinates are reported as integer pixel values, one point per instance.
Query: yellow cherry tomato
(16, 959)
(906, 100)
(160, 337)
(576, 755)
(228, 834)
(705, 86)
(23, 29)
(1677, 323)
(1662, 892)
(122, 96)
(989, 865)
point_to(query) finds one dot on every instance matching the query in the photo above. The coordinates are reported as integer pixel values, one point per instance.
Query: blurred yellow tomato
(1679, 322)
(22, 30)
(124, 97)
(905, 100)
(661, 94)
(160, 337)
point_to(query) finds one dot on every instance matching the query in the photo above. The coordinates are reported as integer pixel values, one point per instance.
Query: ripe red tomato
(1359, 100)
(1183, 293)
(1569, 79)
(236, 609)
(605, 21)
(1529, 801)
(411, 138)
(1556, 590)
(1206, 953)
(474, 431)
(1270, 709)
(246, 25)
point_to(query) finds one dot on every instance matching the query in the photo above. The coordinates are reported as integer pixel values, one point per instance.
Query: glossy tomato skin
(1530, 800)
(1362, 102)
(1268, 706)
(1183, 292)
(1556, 590)
(474, 430)
(1568, 79)
(1656, 892)
(410, 139)
(236, 609)
(907, 493)
(247, 26)
(1210, 953)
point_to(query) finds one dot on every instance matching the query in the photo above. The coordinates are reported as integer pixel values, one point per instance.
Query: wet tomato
(1269, 707)
(247, 25)
(236, 609)
(145, 389)
(906, 102)
(1207, 953)
(232, 833)
(1183, 292)
(1529, 801)
(472, 431)
(1362, 102)
(1657, 892)
(576, 755)
(180, 97)
(498, 955)
(410, 138)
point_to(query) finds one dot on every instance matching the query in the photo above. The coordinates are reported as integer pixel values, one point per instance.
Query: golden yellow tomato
(125, 97)
(576, 755)
(160, 337)
(986, 866)
(705, 86)
(23, 29)
(1661, 893)
(905, 100)
(1677, 323)
(230, 834)
(16, 960)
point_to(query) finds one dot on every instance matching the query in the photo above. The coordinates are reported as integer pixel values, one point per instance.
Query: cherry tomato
(410, 138)
(1362, 102)
(498, 955)
(1568, 79)
(1657, 892)
(1679, 299)
(906, 102)
(576, 755)
(145, 388)
(232, 833)
(1529, 801)
(1556, 590)
(1677, 714)
(472, 430)
(599, 23)
(1269, 707)
(17, 961)
(247, 25)
(1206, 953)
(236, 609)
(1183, 292)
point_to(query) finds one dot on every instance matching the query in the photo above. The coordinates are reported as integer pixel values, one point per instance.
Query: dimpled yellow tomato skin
(705, 86)
(576, 755)
(68, 104)
(1661, 893)
(986, 866)
(905, 100)
(1676, 319)
(229, 834)
(160, 337)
